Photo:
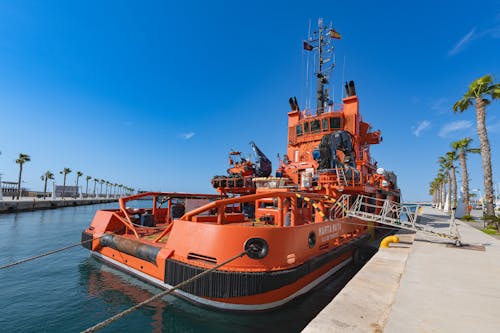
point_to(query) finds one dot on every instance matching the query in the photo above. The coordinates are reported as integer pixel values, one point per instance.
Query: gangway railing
(341, 207)
(397, 215)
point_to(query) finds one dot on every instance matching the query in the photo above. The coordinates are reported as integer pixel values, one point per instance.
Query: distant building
(10, 188)
(69, 191)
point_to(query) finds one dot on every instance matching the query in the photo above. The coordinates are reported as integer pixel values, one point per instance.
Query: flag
(334, 34)
(307, 46)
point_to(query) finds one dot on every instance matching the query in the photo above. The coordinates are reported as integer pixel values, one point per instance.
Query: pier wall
(366, 301)
(422, 284)
(31, 204)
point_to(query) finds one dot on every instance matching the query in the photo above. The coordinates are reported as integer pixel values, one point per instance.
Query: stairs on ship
(341, 178)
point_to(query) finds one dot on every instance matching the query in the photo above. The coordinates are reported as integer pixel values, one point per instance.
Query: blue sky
(153, 94)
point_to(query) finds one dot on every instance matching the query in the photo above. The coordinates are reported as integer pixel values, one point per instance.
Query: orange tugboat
(293, 227)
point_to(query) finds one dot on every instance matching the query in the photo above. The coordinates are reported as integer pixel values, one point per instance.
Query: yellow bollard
(388, 240)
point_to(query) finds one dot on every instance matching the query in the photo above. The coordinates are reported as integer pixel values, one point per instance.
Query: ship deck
(149, 234)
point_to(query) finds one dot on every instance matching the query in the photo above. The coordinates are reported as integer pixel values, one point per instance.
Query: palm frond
(463, 104)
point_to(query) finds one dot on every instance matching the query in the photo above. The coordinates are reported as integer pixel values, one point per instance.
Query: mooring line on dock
(159, 295)
(48, 253)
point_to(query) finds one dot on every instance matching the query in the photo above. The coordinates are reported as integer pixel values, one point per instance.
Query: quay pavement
(422, 284)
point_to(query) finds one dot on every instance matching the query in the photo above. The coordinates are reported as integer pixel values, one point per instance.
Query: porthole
(312, 239)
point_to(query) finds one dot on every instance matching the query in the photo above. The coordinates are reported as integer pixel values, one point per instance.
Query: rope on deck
(159, 295)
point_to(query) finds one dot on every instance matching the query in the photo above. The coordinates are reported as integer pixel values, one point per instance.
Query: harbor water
(71, 291)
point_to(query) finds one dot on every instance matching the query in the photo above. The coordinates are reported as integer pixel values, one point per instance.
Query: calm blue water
(70, 291)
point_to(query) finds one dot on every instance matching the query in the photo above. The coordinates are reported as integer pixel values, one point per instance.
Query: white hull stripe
(224, 305)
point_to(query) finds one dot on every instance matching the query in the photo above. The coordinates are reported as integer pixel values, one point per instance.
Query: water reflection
(119, 291)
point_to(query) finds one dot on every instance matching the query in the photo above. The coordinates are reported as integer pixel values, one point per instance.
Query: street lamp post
(1, 188)
(482, 205)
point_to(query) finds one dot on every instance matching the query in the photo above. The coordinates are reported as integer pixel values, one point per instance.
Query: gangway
(393, 214)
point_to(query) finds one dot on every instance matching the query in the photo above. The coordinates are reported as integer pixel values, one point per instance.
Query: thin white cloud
(492, 32)
(454, 126)
(493, 128)
(441, 105)
(495, 32)
(462, 42)
(472, 35)
(421, 126)
(415, 100)
(187, 136)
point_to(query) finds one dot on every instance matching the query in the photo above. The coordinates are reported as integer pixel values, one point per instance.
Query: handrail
(219, 204)
(127, 222)
(169, 194)
(164, 232)
(224, 202)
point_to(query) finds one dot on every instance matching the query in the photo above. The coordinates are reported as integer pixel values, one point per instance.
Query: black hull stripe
(225, 284)
(86, 243)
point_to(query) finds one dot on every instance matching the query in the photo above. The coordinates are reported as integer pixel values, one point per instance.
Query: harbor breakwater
(31, 204)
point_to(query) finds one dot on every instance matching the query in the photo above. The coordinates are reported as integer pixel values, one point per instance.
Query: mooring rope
(48, 253)
(159, 295)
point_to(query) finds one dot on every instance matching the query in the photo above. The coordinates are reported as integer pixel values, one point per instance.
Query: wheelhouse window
(335, 123)
(298, 130)
(315, 126)
(306, 127)
(324, 124)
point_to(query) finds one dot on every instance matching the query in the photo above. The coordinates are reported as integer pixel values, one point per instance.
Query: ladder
(392, 213)
(341, 179)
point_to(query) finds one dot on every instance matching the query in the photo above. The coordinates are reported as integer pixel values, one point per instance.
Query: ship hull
(232, 262)
(336, 259)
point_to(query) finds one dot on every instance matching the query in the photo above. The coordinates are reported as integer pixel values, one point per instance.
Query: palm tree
(64, 172)
(23, 158)
(45, 177)
(478, 91)
(435, 190)
(445, 167)
(87, 187)
(439, 182)
(107, 183)
(450, 159)
(78, 175)
(102, 181)
(462, 148)
(96, 180)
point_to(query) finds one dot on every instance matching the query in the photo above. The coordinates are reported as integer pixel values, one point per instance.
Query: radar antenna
(322, 42)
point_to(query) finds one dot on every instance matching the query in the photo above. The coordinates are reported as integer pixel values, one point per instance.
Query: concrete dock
(422, 284)
(8, 205)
